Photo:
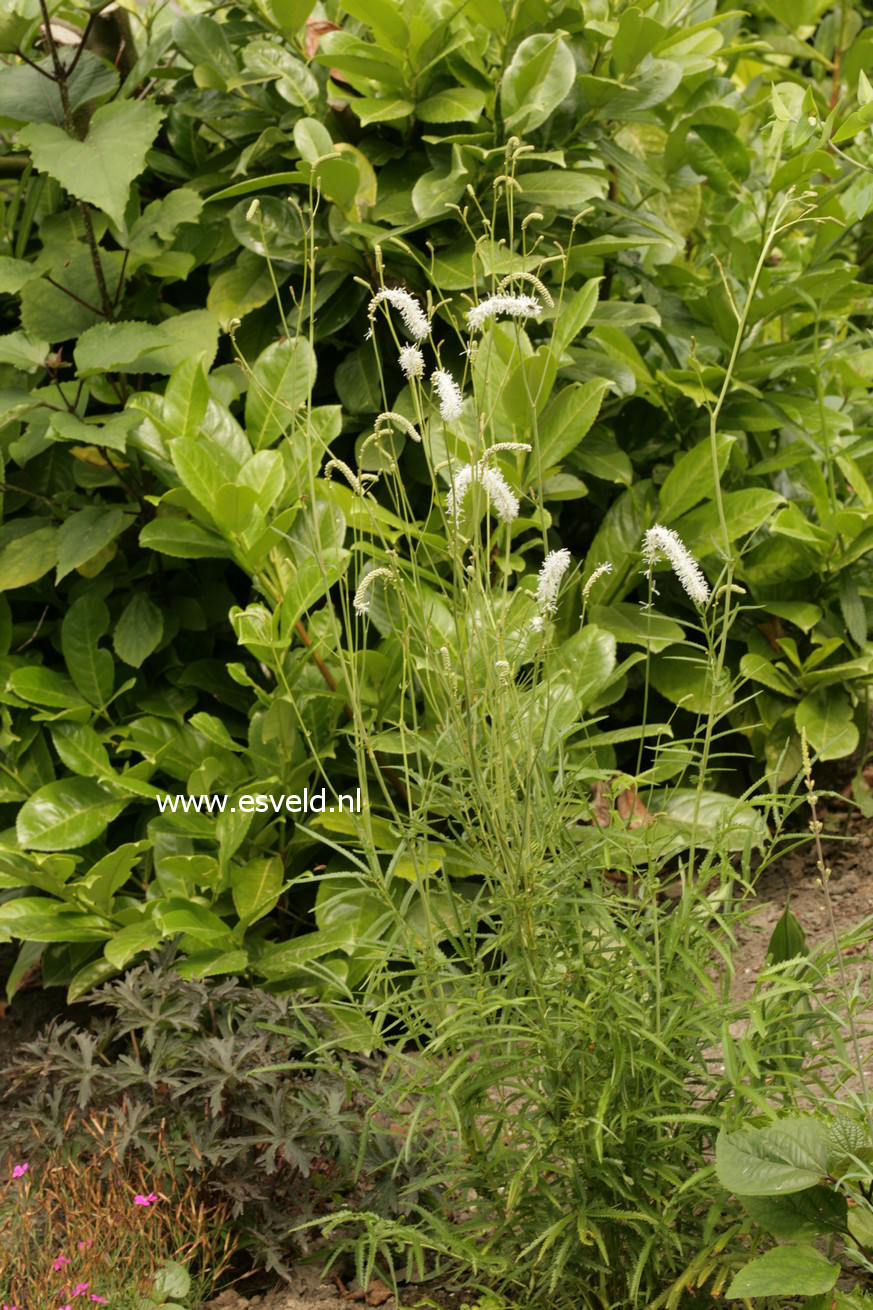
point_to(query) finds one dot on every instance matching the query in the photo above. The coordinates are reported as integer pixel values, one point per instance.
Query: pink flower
(60, 1262)
(94, 1297)
(80, 1288)
(83, 1246)
(18, 1172)
(145, 1200)
(65, 1307)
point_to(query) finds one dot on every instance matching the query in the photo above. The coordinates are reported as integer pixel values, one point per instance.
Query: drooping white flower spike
(598, 573)
(458, 490)
(552, 570)
(361, 600)
(503, 500)
(411, 362)
(510, 306)
(414, 318)
(663, 543)
(449, 393)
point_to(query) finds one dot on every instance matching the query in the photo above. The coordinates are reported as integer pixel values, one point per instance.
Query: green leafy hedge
(159, 413)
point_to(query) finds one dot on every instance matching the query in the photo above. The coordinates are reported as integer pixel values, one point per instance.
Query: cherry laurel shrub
(481, 390)
(633, 169)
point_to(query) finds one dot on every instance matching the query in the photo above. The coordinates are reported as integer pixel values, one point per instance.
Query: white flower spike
(503, 500)
(361, 600)
(414, 318)
(510, 306)
(552, 570)
(598, 573)
(411, 362)
(449, 393)
(663, 543)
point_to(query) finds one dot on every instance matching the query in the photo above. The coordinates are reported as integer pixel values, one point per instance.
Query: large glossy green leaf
(785, 1271)
(81, 749)
(138, 631)
(639, 627)
(801, 1216)
(66, 814)
(186, 397)
(457, 104)
(172, 535)
(290, 14)
(566, 422)
(112, 347)
(91, 667)
(539, 76)
(191, 919)
(574, 313)
(45, 687)
(744, 511)
(692, 478)
(28, 557)
(719, 156)
(132, 941)
(84, 534)
(786, 1156)
(282, 380)
(23, 351)
(101, 168)
(256, 886)
(28, 95)
(42, 919)
(828, 719)
(560, 190)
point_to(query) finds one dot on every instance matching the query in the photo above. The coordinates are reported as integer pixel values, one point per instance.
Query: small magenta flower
(145, 1200)
(80, 1288)
(65, 1307)
(60, 1262)
(19, 1171)
(83, 1246)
